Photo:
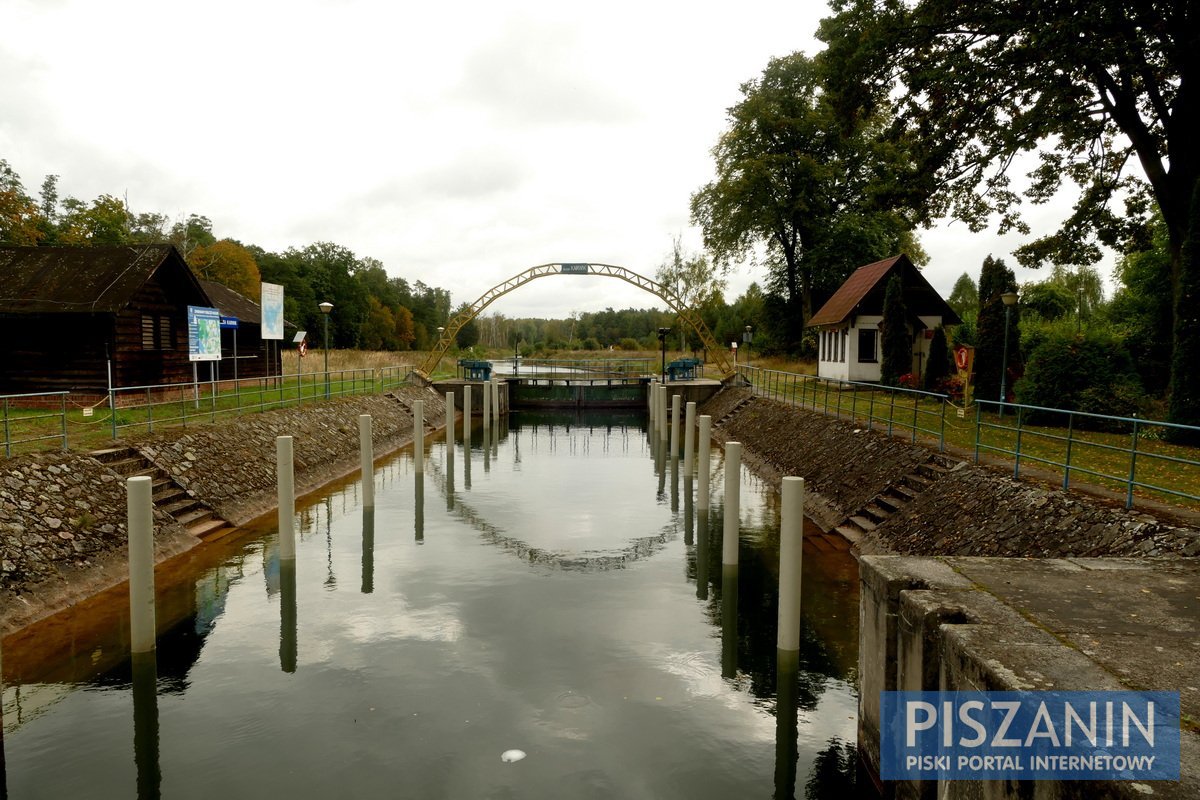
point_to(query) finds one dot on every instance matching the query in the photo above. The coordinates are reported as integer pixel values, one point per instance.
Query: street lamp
(662, 337)
(326, 307)
(747, 338)
(1010, 300)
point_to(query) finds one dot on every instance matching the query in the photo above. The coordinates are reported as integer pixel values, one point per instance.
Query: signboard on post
(229, 322)
(272, 311)
(204, 334)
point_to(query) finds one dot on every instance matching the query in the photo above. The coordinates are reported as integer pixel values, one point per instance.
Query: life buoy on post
(302, 348)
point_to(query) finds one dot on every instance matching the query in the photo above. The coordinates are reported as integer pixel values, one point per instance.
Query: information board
(204, 334)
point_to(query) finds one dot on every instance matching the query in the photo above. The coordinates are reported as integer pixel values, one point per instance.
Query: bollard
(466, 412)
(366, 457)
(704, 456)
(733, 500)
(664, 428)
(449, 422)
(496, 401)
(676, 400)
(487, 410)
(285, 476)
(689, 439)
(140, 520)
(419, 436)
(791, 555)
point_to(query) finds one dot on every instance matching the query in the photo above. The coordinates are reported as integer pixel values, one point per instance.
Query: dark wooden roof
(862, 293)
(231, 303)
(99, 280)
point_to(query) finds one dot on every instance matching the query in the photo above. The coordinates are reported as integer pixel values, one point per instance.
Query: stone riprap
(231, 466)
(62, 515)
(970, 510)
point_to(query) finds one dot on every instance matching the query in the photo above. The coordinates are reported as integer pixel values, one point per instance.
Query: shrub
(591, 343)
(1090, 372)
(629, 343)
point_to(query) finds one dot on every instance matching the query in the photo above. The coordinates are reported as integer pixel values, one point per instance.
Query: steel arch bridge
(689, 316)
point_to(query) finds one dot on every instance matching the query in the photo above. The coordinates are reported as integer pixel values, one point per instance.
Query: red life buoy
(303, 348)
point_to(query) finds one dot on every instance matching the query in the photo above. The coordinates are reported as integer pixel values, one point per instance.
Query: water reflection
(145, 725)
(688, 511)
(786, 728)
(368, 550)
(729, 621)
(288, 616)
(674, 482)
(703, 556)
(419, 509)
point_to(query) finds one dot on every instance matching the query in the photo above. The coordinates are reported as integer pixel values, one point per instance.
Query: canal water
(552, 591)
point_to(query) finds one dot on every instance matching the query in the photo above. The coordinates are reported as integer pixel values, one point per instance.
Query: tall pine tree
(994, 280)
(897, 346)
(939, 360)
(1185, 377)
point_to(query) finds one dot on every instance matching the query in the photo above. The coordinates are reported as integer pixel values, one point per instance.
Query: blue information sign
(229, 322)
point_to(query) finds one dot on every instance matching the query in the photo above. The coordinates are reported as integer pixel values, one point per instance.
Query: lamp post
(326, 307)
(662, 337)
(1010, 300)
(747, 338)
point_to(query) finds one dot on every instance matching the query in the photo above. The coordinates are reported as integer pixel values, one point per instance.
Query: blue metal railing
(910, 410)
(1074, 441)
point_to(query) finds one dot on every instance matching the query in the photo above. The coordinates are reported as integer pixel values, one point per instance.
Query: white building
(847, 326)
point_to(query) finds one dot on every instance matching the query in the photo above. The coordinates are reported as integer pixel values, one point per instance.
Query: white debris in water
(511, 756)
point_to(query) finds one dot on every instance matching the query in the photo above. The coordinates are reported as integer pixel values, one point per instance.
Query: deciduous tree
(227, 262)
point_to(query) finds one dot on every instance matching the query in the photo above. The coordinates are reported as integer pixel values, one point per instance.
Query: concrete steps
(893, 499)
(167, 495)
(741, 403)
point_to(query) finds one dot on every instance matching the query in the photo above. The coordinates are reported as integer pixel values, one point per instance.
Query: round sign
(960, 357)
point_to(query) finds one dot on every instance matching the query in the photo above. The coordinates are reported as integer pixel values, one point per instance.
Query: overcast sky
(458, 143)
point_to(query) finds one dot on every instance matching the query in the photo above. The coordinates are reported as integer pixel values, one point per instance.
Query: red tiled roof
(851, 293)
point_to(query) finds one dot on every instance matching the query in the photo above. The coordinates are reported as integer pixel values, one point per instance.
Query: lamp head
(326, 307)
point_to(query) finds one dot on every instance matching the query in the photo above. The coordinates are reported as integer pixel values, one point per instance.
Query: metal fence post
(1132, 466)
(1067, 460)
(891, 411)
(1017, 449)
(871, 411)
(63, 409)
(942, 434)
(977, 421)
(7, 438)
(916, 400)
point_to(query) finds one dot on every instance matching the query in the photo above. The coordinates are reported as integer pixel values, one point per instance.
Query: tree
(1141, 309)
(1098, 90)
(690, 277)
(1185, 377)
(19, 214)
(810, 190)
(227, 262)
(938, 368)
(404, 331)
(195, 231)
(897, 344)
(105, 221)
(964, 297)
(379, 328)
(994, 280)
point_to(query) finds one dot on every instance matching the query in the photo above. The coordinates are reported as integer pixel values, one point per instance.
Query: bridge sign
(575, 269)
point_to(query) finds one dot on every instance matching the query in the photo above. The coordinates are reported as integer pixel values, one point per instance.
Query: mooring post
(689, 439)
(791, 556)
(285, 477)
(418, 409)
(665, 432)
(496, 401)
(466, 411)
(705, 435)
(733, 500)
(449, 422)
(366, 457)
(676, 402)
(140, 523)
(487, 410)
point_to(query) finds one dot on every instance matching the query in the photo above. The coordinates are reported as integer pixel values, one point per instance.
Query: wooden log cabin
(68, 314)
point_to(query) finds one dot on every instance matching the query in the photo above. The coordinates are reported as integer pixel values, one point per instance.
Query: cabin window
(868, 339)
(156, 333)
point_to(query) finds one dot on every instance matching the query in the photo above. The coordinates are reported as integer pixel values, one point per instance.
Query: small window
(148, 332)
(868, 339)
(165, 340)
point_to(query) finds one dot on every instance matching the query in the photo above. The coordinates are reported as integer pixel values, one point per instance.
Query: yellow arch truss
(689, 316)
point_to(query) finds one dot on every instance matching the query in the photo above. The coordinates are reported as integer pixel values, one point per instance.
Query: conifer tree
(897, 347)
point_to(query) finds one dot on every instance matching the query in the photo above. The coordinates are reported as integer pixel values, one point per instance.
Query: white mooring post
(285, 477)
(449, 422)
(704, 457)
(496, 399)
(366, 457)
(689, 440)
(487, 410)
(466, 412)
(676, 402)
(418, 409)
(733, 501)
(140, 521)
(791, 555)
(665, 431)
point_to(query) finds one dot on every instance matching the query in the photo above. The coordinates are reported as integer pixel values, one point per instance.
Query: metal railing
(31, 420)
(28, 419)
(1144, 447)
(909, 410)
(596, 367)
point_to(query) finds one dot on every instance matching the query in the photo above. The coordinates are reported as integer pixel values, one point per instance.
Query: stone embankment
(62, 515)
(964, 509)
